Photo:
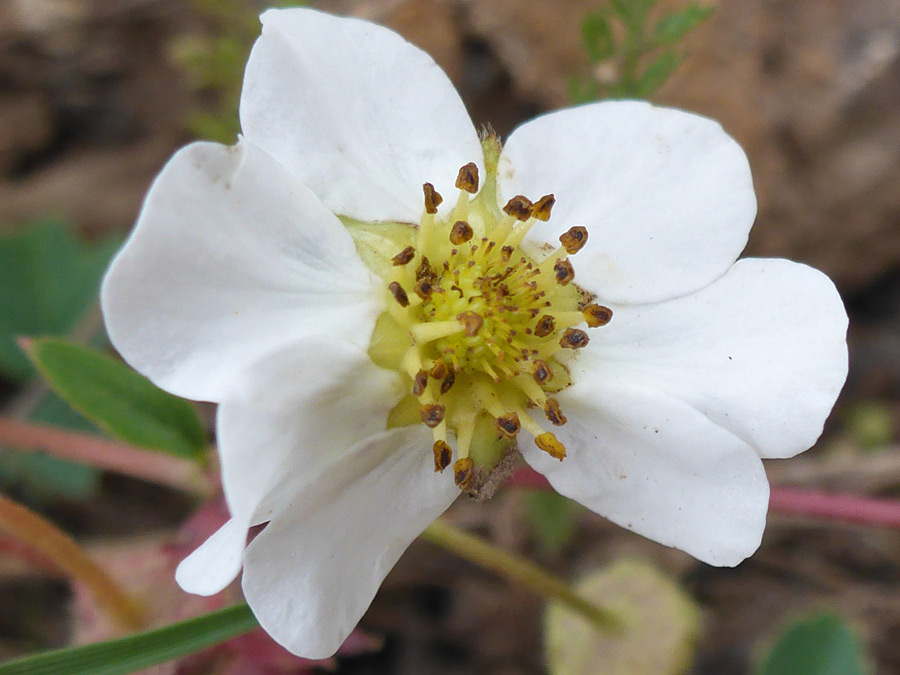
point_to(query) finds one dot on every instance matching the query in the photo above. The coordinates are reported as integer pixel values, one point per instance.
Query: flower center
(480, 327)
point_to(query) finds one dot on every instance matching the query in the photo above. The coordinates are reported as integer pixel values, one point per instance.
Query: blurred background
(95, 95)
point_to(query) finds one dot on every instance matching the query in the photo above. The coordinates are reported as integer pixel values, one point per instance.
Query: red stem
(788, 501)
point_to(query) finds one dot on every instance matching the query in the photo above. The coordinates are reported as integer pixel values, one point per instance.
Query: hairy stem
(62, 550)
(113, 456)
(480, 552)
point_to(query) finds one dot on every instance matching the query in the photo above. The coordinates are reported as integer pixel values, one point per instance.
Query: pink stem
(104, 454)
(788, 501)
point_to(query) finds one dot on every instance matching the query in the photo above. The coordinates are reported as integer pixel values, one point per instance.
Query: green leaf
(48, 280)
(633, 13)
(657, 73)
(660, 625)
(553, 518)
(597, 38)
(136, 652)
(674, 27)
(120, 401)
(822, 645)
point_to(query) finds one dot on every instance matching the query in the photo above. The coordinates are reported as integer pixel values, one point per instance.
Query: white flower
(256, 274)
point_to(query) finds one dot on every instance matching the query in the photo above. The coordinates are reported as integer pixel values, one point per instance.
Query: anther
(420, 381)
(574, 239)
(542, 207)
(542, 373)
(433, 198)
(574, 338)
(404, 256)
(448, 382)
(564, 272)
(424, 288)
(432, 414)
(554, 414)
(471, 321)
(442, 456)
(399, 294)
(468, 178)
(545, 326)
(519, 207)
(460, 233)
(597, 315)
(425, 270)
(439, 370)
(508, 424)
(551, 445)
(462, 472)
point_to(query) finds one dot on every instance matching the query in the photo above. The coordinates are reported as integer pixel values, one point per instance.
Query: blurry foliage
(48, 285)
(214, 61)
(822, 645)
(629, 58)
(122, 402)
(871, 424)
(552, 518)
(660, 624)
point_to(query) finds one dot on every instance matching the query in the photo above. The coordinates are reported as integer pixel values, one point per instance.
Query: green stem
(478, 551)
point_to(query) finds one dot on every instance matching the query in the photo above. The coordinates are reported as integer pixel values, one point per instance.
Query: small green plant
(628, 57)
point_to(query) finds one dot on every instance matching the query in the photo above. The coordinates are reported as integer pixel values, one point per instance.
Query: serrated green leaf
(823, 645)
(660, 625)
(657, 73)
(47, 281)
(674, 27)
(136, 652)
(553, 518)
(597, 38)
(118, 400)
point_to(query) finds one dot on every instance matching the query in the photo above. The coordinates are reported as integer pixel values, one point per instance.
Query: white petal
(231, 258)
(360, 115)
(297, 411)
(761, 352)
(313, 571)
(216, 562)
(667, 196)
(656, 466)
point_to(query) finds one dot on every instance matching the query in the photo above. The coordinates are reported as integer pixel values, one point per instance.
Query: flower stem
(104, 454)
(830, 506)
(62, 550)
(478, 551)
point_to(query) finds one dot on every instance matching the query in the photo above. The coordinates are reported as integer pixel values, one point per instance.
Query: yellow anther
(574, 239)
(467, 179)
(508, 424)
(433, 198)
(550, 444)
(460, 233)
(542, 208)
(463, 470)
(432, 414)
(404, 256)
(519, 207)
(597, 315)
(554, 414)
(442, 456)
(574, 338)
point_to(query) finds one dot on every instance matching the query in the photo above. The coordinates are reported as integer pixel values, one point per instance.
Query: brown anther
(506, 253)
(597, 315)
(399, 294)
(439, 370)
(442, 456)
(564, 272)
(542, 373)
(551, 445)
(468, 178)
(424, 288)
(432, 414)
(574, 338)
(554, 414)
(542, 208)
(420, 381)
(471, 321)
(433, 198)
(448, 382)
(460, 233)
(574, 239)
(545, 326)
(463, 470)
(424, 270)
(520, 207)
(508, 424)
(404, 256)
